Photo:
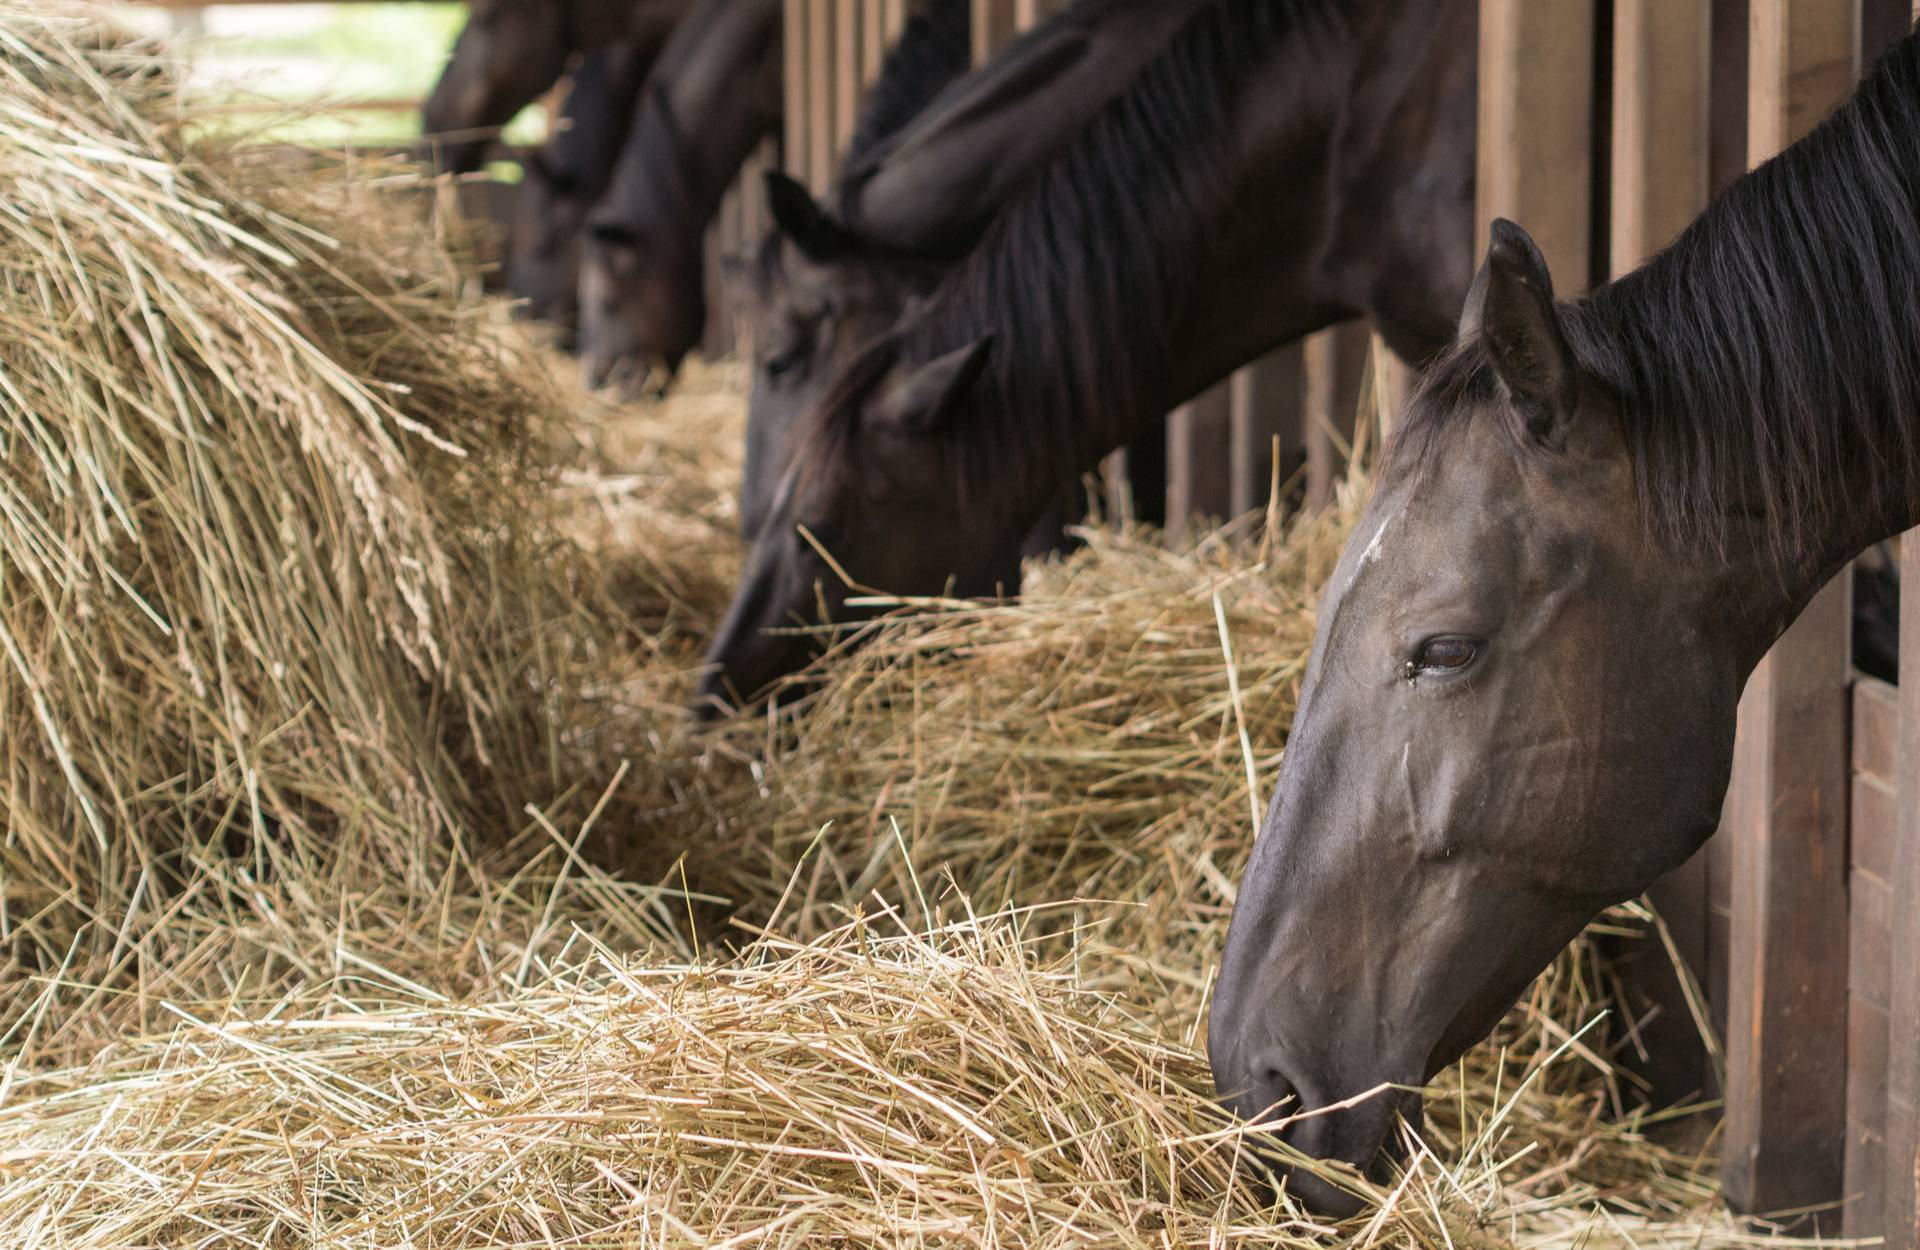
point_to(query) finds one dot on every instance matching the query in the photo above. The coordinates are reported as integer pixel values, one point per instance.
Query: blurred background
(373, 60)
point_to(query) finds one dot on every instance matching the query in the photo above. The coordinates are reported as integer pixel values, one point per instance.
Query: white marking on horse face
(1370, 554)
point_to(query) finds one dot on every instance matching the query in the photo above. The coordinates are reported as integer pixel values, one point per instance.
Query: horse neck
(722, 74)
(1765, 364)
(1289, 237)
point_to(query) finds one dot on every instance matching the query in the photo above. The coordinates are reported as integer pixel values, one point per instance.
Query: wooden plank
(1199, 461)
(1661, 76)
(793, 36)
(1535, 162)
(874, 41)
(994, 23)
(1660, 146)
(1787, 1008)
(820, 95)
(1866, 1149)
(1902, 1160)
(1334, 368)
(1727, 157)
(894, 15)
(1267, 400)
(849, 73)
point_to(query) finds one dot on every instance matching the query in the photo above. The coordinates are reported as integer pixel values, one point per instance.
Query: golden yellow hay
(345, 657)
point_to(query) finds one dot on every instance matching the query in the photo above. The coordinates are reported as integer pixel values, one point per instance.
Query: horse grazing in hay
(1595, 519)
(643, 279)
(1238, 195)
(511, 51)
(934, 158)
(562, 182)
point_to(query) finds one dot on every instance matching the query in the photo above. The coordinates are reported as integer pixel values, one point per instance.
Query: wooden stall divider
(1265, 426)
(995, 22)
(1902, 1204)
(1787, 805)
(1199, 460)
(1334, 364)
(1660, 151)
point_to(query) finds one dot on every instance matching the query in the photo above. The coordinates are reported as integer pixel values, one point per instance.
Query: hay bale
(287, 637)
(871, 1087)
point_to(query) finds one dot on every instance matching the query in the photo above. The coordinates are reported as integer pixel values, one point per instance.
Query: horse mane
(1082, 275)
(935, 48)
(1774, 345)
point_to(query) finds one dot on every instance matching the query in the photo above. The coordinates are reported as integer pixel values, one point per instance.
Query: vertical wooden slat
(1199, 465)
(794, 86)
(1902, 1222)
(1334, 369)
(820, 95)
(994, 22)
(894, 16)
(1661, 141)
(1787, 1009)
(850, 72)
(1902, 1158)
(874, 40)
(1266, 405)
(1536, 127)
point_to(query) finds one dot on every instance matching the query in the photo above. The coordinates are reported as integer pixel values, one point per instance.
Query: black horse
(1592, 524)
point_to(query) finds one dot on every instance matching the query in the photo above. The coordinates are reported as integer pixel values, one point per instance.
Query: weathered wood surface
(1787, 809)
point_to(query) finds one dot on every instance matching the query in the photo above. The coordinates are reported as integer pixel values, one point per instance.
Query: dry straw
(284, 638)
(341, 666)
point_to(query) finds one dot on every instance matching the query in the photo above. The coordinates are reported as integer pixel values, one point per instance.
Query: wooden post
(820, 95)
(1199, 464)
(1535, 162)
(1334, 366)
(1902, 1158)
(1661, 143)
(1903, 1059)
(994, 23)
(1787, 807)
(850, 72)
(874, 40)
(1266, 406)
(793, 47)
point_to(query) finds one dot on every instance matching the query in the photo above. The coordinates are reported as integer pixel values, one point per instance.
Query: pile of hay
(871, 1087)
(344, 659)
(288, 639)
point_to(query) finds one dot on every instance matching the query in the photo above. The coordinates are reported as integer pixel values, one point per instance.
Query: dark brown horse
(563, 181)
(714, 94)
(1279, 167)
(511, 51)
(1594, 521)
(928, 168)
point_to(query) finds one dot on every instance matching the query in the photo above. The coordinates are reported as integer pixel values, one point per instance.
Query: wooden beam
(994, 23)
(1660, 157)
(1535, 163)
(1199, 462)
(1334, 369)
(1267, 404)
(1787, 808)
(820, 95)
(1902, 1159)
(793, 37)
(874, 40)
(849, 73)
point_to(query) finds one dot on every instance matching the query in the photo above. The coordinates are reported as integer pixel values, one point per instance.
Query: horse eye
(786, 362)
(1446, 655)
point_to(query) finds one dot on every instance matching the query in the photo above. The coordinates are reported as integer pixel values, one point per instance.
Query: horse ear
(801, 219)
(1510, 310)
(925, 398)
